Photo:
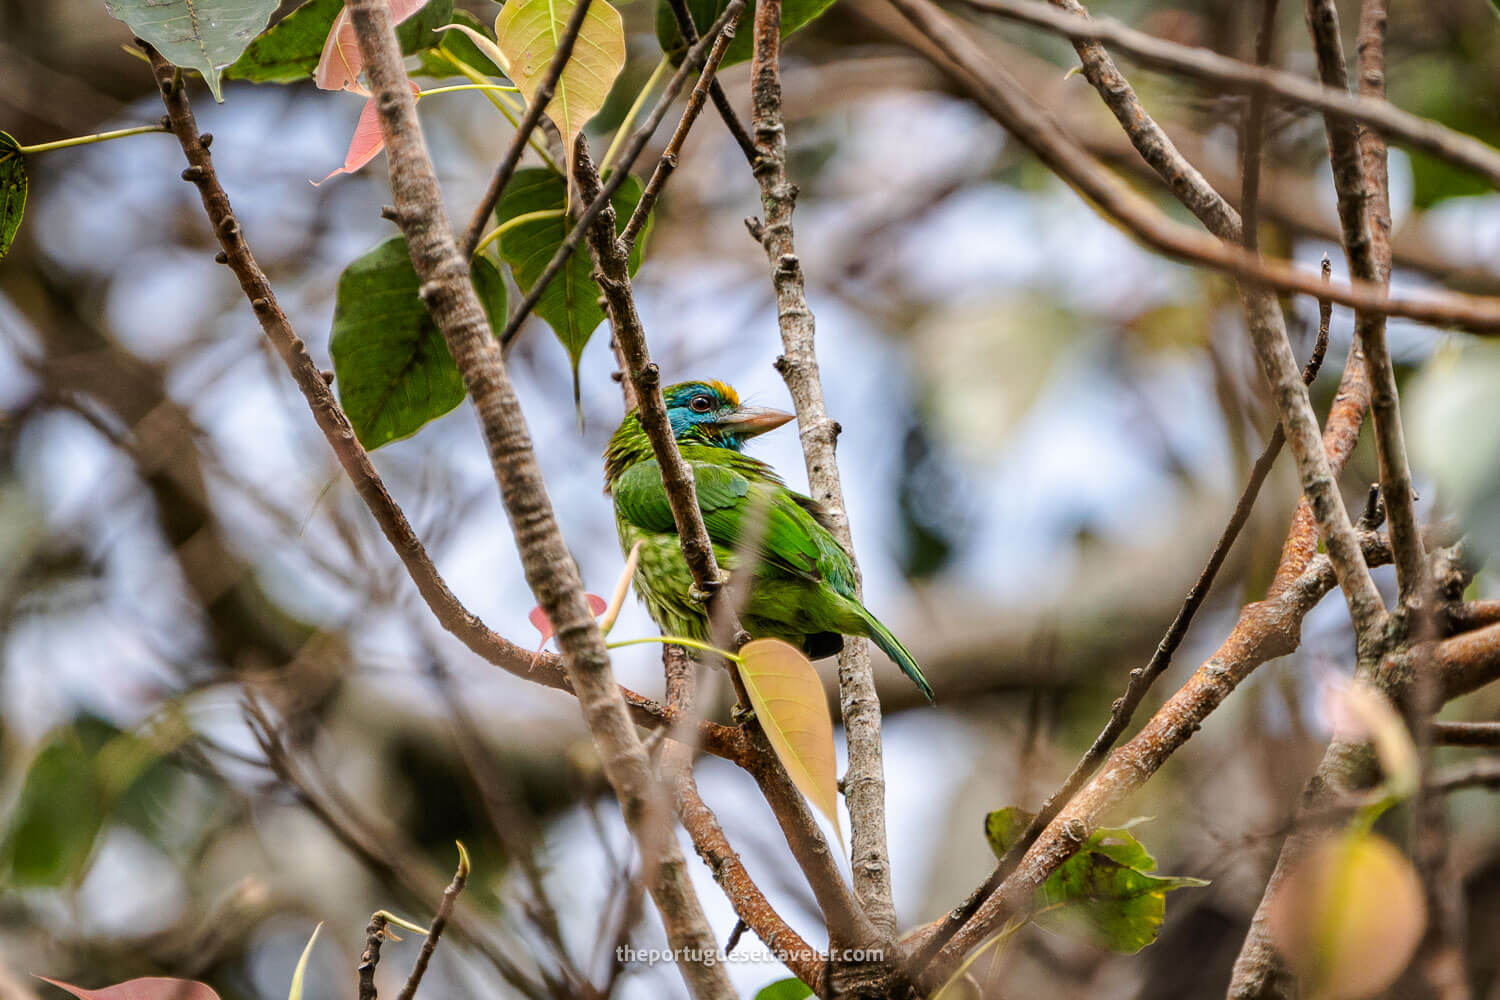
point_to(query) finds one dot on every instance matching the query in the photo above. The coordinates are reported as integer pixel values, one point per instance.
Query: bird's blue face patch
(696, 408)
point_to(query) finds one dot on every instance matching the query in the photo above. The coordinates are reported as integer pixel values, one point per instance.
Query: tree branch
(435, 930)
(1359, 176)
(1034, 127)
(541, 97)
(550, 569)
(689, 32)
(707, 81)
(1140, 681)
(750, 904)
(1466, 734)
(1266, 629)
(864, 781)
(1232, 74)
(992, 88)
(628, 156)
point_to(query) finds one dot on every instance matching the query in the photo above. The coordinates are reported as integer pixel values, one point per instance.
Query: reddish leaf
(341, 64)
(368, 139)
(542, 624)
(145, 988)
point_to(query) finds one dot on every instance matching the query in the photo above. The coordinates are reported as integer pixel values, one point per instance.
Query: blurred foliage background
(1044, 428)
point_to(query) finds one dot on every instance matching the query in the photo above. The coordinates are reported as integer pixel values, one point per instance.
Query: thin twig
(1466, 734)
(435, 930)
(631, 153)
(1142, 678)
(864, 781)
(689, 32)
(370, 957)
(999, 94)
(1364, 205)
(1252, 134)
(668, 162)
(540, 98)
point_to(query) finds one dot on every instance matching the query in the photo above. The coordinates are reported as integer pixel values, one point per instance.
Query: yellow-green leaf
(300, 972)
(1348, 916)
(528, 33)
(789, 702)
(13, 184)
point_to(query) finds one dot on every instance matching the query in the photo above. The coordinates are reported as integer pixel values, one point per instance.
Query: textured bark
(864, 782)
(750, 904)
(1359, 177)
(549, 567)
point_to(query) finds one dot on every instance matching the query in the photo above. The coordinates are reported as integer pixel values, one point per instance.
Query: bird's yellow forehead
(725, 391)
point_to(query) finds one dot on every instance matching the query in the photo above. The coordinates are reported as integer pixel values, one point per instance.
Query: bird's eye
(701, 404)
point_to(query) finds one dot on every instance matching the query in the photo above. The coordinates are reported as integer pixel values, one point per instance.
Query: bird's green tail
(891, 646)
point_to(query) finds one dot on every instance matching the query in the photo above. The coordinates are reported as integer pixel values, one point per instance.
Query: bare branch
(864, 782)
(732, 122)
(628, 155)
(370, 957)
(435, 930)
(1359, 176)
(1140, 679)
(1466, 734)
(549, 567)
(1002, 97)
(541, 97)
(750, 904)
(1231, 74)
(668, 162)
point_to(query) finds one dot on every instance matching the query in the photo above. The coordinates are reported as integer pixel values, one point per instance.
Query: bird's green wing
(791, 538)
(641, 497)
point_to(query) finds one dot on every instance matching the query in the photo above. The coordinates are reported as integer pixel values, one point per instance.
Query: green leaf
(13, 185)
(784, 989)
(570, 304)
(528, 32)
(1105, 892)
(455, 45)
(795, 14)
(289, 52)
(204, 35)
(72, 786)
(788, 699)
(391, 365)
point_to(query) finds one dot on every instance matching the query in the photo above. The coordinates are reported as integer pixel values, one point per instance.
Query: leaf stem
(469, 86)
(509, 224)
(510, 110)
(628, 122)
(676, 640)
(85, 140)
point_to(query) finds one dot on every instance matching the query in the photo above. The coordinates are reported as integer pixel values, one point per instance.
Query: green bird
(803, 588)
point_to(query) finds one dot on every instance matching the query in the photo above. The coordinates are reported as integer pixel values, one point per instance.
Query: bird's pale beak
(749, 421)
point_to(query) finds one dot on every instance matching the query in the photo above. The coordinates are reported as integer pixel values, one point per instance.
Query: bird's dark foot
(702, 597)
(741, 714)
